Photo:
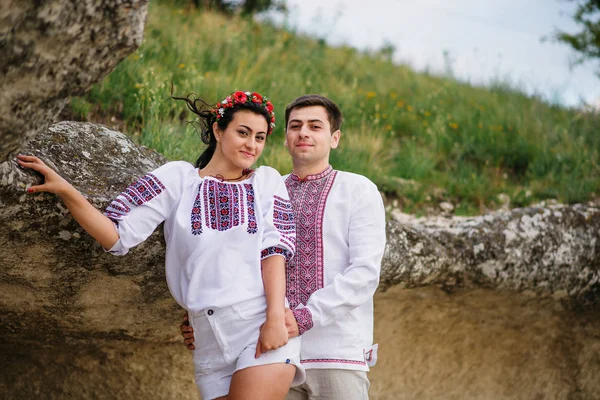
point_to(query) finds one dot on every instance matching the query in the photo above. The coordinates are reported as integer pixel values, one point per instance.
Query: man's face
(308, 135)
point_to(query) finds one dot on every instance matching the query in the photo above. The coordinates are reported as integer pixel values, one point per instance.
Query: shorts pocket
(252, 309)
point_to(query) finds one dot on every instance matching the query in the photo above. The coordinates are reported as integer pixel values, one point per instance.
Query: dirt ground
(471, 344)
(482, 344)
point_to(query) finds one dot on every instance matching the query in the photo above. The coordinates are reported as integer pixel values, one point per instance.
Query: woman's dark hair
(206, 119)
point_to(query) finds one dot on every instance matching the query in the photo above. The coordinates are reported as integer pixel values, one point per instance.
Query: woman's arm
(99, 226)
(273, 333)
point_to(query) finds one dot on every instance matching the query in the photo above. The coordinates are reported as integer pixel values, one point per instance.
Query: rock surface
(549, 251)
(55, 49)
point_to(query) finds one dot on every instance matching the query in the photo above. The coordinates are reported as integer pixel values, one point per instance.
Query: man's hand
(291, 324)
(187, 332)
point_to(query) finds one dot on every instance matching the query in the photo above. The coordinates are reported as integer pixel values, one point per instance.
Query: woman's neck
(222, 168)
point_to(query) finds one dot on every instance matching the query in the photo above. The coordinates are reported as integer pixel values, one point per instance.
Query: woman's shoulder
(175, 171)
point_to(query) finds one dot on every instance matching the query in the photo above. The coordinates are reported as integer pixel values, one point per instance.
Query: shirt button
(210, 312)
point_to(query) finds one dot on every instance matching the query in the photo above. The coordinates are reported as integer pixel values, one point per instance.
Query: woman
(228, 231)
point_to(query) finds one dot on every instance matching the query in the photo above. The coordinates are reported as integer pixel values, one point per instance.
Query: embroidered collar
(314, 177)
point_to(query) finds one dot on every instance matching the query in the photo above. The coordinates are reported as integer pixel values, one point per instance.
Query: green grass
(461, 143)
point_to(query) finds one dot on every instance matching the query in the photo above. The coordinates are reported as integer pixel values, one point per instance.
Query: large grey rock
(55, 49)
(549, 251)
(56, 281)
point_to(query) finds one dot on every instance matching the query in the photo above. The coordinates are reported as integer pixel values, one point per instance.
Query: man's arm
(358, 282)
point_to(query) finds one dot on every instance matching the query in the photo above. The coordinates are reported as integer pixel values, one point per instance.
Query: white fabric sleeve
(279, 234)
(144, 204)
(358, 282)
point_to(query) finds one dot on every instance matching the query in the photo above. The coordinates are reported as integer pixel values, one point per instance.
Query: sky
(485, 40)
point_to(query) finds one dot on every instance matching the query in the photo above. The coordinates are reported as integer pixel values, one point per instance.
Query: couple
(229, 232)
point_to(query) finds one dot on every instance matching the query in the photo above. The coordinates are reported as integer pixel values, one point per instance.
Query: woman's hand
(273, 335)
(53, 182)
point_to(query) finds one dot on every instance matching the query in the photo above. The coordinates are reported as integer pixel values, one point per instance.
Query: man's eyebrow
(309, 121)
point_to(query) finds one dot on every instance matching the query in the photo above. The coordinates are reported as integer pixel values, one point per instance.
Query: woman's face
(243, 141)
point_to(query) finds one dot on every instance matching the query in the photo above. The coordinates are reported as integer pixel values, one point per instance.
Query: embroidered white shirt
(216, 232)
(340, 240)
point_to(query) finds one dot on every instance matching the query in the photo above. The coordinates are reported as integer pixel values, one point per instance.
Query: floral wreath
(240, 97)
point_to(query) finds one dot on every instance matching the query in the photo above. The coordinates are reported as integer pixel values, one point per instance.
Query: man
(340, 239)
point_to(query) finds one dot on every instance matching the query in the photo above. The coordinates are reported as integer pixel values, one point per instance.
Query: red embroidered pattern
(283, 219)
(224, 205)
(196, 214)
(252, 226)
(117, 209)
(273, 250)
(304, 319)
(136, 194)
(305, 271)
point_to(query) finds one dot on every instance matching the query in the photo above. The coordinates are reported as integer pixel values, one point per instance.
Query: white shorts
(225, 342)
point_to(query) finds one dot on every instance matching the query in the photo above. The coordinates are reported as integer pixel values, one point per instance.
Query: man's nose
(304, 131)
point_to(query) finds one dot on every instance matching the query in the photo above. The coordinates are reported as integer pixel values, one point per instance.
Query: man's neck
(304, 170)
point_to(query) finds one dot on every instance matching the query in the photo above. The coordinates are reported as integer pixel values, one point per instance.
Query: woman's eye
(244, 133)
(260, 138)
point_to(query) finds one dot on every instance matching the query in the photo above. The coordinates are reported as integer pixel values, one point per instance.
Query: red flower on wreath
(269, 106)
(240, 97)
(257, 98)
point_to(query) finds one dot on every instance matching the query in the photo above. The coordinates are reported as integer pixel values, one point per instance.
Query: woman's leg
(265, 382)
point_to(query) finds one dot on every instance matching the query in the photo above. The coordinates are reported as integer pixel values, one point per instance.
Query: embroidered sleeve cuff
(276, 251)
(304, 319)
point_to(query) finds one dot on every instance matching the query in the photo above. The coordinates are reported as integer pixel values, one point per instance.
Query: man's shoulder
(352, 179)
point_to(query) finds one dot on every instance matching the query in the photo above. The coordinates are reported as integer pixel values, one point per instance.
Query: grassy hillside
(460, 143)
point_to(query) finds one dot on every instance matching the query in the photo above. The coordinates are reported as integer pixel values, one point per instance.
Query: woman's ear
(216, 131)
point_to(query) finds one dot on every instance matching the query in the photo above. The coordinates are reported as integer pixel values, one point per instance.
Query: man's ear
(335, 138)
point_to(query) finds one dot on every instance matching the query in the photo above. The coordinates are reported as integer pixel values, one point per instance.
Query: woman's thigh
(268, 382)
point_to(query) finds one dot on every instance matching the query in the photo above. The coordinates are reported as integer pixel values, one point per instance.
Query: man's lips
(304, 145)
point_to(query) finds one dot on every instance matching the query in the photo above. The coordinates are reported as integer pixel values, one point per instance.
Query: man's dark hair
(309, 100)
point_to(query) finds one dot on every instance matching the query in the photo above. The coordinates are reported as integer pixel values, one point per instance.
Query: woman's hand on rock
(53, 182)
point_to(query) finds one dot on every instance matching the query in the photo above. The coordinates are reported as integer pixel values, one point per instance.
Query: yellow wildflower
(400, 104)
(453, 125)
(370, 95)
(181, 66)
(409, 108)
